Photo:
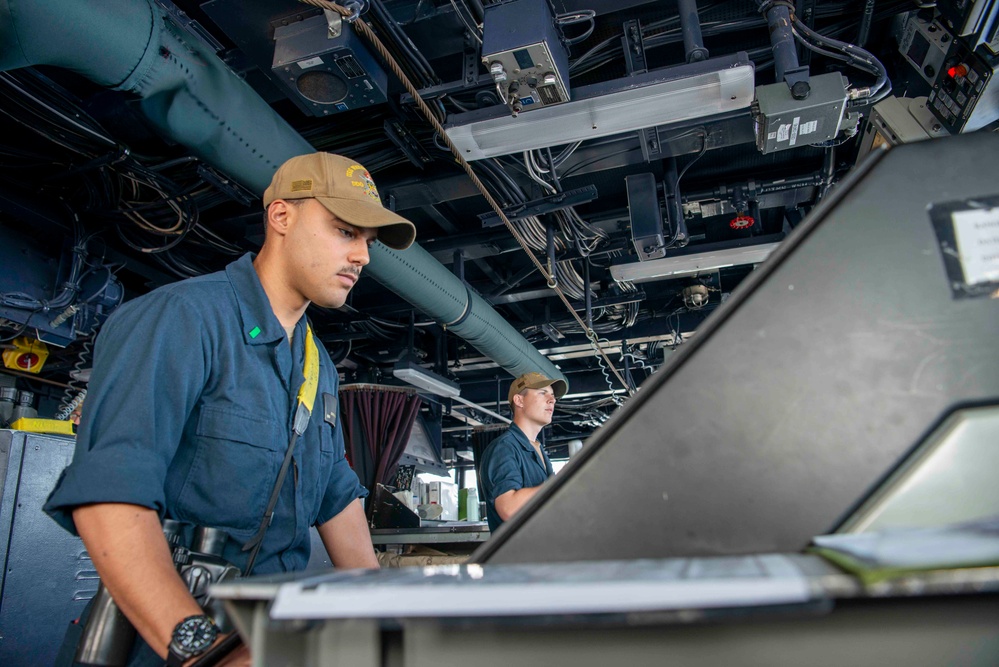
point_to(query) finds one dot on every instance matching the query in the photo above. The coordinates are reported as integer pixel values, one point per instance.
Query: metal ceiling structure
(645, 155)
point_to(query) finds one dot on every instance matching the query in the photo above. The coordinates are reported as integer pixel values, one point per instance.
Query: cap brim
(394, 230)
(559, 387)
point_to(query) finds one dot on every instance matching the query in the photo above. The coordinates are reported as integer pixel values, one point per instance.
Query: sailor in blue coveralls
(514, 465)
(191, 403)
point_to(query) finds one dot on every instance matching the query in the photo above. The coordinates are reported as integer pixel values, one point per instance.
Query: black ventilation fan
(324, 75)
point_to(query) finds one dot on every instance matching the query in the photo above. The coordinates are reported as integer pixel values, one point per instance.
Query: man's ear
(518, 400)
(279, 215)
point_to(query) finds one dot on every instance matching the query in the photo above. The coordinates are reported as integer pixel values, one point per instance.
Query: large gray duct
(194, 99)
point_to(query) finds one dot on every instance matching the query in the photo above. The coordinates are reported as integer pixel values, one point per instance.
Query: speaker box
(324, 75)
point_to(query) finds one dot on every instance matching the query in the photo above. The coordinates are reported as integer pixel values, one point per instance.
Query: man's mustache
(355, 270)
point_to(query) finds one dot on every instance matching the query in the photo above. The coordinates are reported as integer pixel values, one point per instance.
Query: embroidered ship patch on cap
(360, 178)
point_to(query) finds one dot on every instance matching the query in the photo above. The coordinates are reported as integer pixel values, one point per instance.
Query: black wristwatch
(192, 636)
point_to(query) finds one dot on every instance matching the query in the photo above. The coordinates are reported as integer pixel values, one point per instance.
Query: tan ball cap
(346, 189)
(536, 381)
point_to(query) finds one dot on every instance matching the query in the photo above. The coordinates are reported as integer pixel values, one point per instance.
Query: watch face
(195, 634)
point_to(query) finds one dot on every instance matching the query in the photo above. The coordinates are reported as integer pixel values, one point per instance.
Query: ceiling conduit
(193, 98)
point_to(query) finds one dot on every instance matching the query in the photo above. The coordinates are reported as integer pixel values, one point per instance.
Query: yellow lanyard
(307, 392)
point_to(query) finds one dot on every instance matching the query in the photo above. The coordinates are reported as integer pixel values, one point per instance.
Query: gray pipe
(782, 40)
(187, 92)
(785, 52)
(195, 100)
(690, 26)
(416, 276)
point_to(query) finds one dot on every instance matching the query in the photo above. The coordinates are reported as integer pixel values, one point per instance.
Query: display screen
(524, 59)
(918, 50)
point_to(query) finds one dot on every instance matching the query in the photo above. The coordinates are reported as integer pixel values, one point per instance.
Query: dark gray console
(46, 577)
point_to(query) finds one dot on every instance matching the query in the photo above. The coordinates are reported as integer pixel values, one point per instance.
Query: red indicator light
(957, 70)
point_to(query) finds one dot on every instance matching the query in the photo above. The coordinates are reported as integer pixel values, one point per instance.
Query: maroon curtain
(377, 422)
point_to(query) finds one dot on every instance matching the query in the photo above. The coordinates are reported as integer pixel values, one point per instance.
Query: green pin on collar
(254, 332)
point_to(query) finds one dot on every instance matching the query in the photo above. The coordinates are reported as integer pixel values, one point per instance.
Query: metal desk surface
(446, 532)
(940, 617)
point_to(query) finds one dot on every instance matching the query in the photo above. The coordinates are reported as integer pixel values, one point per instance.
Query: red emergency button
(958, 71)
(27, 361)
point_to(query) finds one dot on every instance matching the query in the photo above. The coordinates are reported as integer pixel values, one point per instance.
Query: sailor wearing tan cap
(203, 390)
(514, 465)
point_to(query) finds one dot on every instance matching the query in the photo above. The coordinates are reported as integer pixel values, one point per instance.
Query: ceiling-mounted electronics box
(324, 75)
(646, 216)
(782, 122)
(523, 52)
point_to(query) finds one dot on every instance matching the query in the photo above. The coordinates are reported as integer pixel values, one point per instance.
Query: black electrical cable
(416, 13)
(858, 56)
(566, 153)
(71, 120)
(835, 55)
(414, 57)
(679, 177)
(886, 11)
(114, 185)
(594, 50)
(553, 167)
(587, 163)
(498, 180)
(517, 193)
(216, 242)
(68, 291)
(534, 231)
(187, 159)
(585, 15)
(468, 24)
(865, 23)
(659, 33)
(18, 332)
(168, 263)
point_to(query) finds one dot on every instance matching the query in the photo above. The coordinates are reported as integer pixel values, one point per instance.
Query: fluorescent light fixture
(478, 407)
(661, 97)
(680, 265)
(418, 376)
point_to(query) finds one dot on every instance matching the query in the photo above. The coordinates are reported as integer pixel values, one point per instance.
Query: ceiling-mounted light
(686, 264)
(418, 376)
(660, 97)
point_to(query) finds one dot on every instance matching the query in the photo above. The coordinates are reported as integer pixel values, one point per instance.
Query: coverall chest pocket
(331, 447)
(332, 438)
(236, 462)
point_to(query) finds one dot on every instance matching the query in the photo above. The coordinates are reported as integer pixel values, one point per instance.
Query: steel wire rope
(362, 28)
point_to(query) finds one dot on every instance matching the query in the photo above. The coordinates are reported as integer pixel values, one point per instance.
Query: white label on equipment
(794, 130)
(977, 235)
(771, 136)
(809, 127)
(311, 62)
(783, 132)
